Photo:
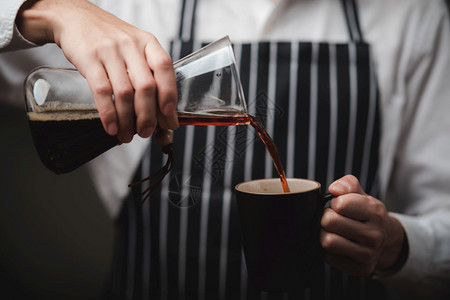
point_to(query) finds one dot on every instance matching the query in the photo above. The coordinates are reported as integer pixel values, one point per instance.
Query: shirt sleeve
(426, 271)
(10, 37)
(420, 186)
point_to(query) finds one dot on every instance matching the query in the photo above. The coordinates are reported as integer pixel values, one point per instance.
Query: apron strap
(351, 16)
(188, 12)
(186, 31)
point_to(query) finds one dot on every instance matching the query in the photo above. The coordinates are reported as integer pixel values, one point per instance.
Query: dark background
(55, 236)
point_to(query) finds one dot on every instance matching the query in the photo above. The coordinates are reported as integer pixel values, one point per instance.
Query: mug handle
(327, 200)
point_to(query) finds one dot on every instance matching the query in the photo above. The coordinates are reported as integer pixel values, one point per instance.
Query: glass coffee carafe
(65, 123)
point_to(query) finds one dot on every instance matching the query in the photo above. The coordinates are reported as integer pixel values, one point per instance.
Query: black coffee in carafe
(65, 141)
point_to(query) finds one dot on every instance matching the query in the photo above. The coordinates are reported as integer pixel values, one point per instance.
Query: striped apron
(318, 101)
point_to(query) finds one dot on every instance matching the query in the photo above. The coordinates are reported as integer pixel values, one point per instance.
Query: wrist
(396, 249)
(35, 21)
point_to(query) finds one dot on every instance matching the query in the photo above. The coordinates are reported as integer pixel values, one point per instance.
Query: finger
(345, 185)
(168, 122)
(102, 91)
(161, 65)
(362, 233)
(144, 84)
(359, 207)
(123, 95)
(338, 245)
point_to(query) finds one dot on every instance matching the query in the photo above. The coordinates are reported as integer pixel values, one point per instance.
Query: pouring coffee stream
(68, 132)
(156, 178)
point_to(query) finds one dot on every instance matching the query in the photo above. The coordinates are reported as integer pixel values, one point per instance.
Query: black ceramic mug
(280, 232)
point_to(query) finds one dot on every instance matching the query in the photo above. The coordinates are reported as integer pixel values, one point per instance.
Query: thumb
(345, 185)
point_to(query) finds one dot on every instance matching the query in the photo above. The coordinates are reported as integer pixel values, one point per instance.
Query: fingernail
(146, 132)
(169, 108)
(340, 186)
(112, 128)
(128, 137)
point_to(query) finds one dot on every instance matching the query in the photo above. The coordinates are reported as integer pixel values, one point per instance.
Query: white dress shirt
(411, 43)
